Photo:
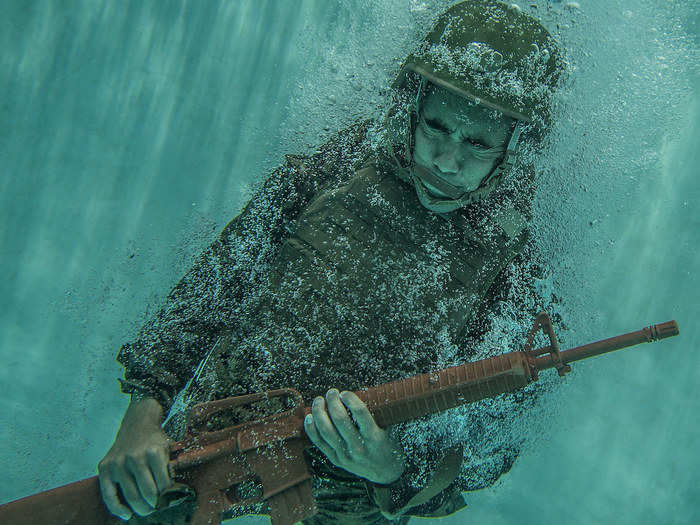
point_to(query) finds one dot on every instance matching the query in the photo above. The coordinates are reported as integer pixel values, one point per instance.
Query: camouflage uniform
(328, 275)
(336, 274)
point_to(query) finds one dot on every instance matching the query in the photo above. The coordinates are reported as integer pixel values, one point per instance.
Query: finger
(341, 419)
(158, 463)
(316, 439)
(126, 479)
(363, 417)
(325, 426)
(110, 497)
(145, 482)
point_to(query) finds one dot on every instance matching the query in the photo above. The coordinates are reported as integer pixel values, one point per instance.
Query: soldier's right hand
(138, 464)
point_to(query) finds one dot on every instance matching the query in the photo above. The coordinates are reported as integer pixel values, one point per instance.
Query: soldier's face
(455, 139)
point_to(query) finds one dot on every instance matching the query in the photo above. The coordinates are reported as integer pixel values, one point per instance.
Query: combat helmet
(490, 53)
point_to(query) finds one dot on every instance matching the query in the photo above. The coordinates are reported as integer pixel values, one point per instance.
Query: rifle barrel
(648, 334)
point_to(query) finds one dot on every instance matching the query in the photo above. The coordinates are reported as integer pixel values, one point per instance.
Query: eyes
(433, 127)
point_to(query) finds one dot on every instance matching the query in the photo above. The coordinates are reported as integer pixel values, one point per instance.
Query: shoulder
(357, 184)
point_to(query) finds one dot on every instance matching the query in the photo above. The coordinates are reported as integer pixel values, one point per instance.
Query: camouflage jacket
(334, 275)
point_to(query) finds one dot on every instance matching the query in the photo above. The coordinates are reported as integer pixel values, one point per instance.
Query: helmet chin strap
(445, 205)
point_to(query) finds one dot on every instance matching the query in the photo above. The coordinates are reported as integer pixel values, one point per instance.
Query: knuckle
(357, 452)
(130, 457)
(113, 470)
(149, 495)
(153, 452)
(133, 459)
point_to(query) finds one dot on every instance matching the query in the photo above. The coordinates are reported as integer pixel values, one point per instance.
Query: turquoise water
(132, 132)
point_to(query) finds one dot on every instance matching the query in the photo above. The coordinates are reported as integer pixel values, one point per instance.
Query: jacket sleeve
(210, 295)
(516, 285)
(442, 495)
(221, 285)
(518, 292)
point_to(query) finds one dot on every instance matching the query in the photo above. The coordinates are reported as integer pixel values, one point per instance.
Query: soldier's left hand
(364, 449)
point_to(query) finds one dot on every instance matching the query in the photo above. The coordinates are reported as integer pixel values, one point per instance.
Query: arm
(161, 361)
(206, 301)
(136, 462)
(216, 290)
(437, 489)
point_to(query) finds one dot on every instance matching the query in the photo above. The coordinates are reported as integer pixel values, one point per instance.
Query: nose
(445, 159)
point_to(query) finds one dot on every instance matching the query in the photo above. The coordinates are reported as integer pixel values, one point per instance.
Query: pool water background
(134, 131)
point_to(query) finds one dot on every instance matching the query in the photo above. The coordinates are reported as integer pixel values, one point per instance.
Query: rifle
(215, 469)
